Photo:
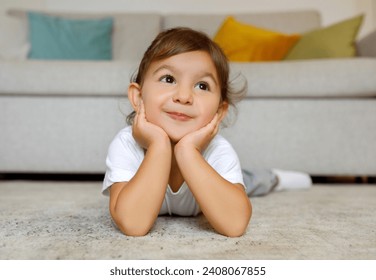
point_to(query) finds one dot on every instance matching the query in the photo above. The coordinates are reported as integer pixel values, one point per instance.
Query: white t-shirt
(125, 156)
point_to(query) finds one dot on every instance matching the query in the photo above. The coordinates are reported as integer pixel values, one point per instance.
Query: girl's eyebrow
(210, 76)
(164, 67)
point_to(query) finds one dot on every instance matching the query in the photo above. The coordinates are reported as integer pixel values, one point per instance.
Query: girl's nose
(183, 96)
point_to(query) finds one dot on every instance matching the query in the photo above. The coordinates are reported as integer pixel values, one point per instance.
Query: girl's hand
(201, 138)
(145, 132)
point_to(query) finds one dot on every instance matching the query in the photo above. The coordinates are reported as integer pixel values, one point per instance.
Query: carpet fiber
(60, 220)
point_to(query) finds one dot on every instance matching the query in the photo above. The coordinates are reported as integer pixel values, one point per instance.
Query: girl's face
(181, 93)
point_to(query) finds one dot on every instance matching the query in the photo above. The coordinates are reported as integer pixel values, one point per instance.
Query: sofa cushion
(337, 40)
(367, 45)
(244, 42)
(324, 78)
(59, 38)
(65, 78)
(14, 43)
(127, 41)
(286, 22)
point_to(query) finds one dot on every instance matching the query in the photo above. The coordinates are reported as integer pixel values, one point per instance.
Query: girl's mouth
(179, 116)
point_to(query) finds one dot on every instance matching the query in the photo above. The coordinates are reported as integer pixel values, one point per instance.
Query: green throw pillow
(58, 38)
(337, 40)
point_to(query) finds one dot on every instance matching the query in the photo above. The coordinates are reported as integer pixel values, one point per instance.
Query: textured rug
(60, 220)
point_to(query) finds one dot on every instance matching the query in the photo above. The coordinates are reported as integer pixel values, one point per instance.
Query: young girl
(171, 160)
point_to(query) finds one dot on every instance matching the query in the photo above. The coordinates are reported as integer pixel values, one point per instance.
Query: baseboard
(343, 179)
(316, 179)
(52, 176)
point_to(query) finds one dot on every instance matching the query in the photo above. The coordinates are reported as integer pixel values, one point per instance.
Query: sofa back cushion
(14, 43)
(132, 33)
(285, 22)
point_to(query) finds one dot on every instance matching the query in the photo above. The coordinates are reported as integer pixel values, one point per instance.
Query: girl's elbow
(239, 226)
(132, 229)
(128, 227)
(236, 230)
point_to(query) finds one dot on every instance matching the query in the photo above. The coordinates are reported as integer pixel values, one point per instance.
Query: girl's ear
(222, 110)
(134, 95)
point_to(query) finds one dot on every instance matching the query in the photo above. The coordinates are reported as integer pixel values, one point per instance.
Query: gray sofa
(316, 116)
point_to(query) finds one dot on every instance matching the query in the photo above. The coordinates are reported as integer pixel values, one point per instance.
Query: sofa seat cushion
(318, 136)
(350, 77)
(36, 77)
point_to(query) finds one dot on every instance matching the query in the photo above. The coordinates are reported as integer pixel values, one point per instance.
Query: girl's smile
(179, 116)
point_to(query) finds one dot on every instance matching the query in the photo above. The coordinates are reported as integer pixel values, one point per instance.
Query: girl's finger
(136, 116)
(142, 107)
(211, 127)
(214, 120)
(139, 112)
(216, 124)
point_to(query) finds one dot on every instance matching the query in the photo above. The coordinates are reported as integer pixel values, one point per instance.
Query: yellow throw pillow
(243, 42)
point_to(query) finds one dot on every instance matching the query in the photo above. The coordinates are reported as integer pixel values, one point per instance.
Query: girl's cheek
(150, 114)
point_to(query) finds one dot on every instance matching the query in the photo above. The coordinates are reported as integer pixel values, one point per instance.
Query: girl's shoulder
(219, 140)
(126, 131)
(124, 139)
(125, 134)
(219, 145)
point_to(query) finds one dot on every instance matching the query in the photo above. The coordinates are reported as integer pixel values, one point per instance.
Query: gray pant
(259, 182)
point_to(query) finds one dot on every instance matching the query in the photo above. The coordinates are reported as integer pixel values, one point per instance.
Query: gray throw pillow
(367, 45)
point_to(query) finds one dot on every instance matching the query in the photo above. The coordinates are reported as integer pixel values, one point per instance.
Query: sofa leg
(362, 180)
(344, 179)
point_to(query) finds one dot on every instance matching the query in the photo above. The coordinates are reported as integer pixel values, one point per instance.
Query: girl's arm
(135, 205)
(225, 205)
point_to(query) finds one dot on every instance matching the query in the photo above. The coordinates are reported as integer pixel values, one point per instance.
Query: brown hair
(181, 40)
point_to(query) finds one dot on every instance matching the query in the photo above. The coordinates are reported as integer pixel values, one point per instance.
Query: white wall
(331, 10)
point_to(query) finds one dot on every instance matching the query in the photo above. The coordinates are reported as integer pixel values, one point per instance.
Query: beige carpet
(60, 220)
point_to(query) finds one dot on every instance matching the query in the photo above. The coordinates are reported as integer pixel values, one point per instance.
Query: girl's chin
(176, 136)
(177, 132)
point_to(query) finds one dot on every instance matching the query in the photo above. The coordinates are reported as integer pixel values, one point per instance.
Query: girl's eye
(167, 79)
(203, 86)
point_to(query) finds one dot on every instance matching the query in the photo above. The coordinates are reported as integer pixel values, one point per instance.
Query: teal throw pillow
(76, 39)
